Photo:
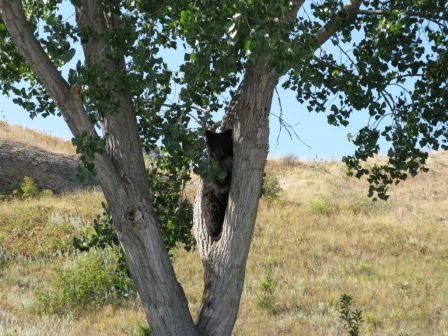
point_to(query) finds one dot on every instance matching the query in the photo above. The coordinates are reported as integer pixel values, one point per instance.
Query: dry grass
(36, 139)
(321, 239)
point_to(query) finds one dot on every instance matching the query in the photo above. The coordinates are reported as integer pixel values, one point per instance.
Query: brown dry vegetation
(33, 138)
(321, 239)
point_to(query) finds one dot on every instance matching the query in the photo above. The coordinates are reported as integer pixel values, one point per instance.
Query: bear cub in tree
(216, 194)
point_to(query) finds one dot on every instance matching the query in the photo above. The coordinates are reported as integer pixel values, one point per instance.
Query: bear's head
(220, 146)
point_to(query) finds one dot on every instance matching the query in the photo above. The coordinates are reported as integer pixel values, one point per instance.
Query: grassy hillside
(323, 237)
(36, 139)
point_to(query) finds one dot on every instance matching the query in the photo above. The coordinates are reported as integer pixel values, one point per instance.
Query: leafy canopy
(387, 59)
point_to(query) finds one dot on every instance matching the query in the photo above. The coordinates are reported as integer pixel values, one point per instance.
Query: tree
(394, 67)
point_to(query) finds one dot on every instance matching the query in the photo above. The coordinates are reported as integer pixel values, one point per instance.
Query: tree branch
(344, 17)
(292, 14)
(229, 117)
(390, 11)
(122, 142)
(67, 98)
(91, 20)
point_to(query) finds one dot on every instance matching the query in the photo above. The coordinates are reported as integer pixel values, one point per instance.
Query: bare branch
(67, 98)
(344, 17)
(284, 124)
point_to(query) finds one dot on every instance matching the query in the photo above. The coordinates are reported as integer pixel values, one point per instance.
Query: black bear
(216, 193)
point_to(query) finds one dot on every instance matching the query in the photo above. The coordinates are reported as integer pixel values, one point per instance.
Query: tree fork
(225, 260)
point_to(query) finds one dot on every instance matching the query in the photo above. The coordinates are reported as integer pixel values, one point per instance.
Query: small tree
(393, 66)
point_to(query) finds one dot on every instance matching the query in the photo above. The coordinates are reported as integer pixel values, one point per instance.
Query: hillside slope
(32, 138)
(49, 161)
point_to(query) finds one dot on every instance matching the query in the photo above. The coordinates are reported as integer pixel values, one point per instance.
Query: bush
(266, 296)
(101, 235)
(143, 330)
(271, 187)
(321, 206)
(352, 318)
(92, 278)
(28, 189)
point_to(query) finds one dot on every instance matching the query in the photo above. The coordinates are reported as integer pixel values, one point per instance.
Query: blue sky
(317, 138)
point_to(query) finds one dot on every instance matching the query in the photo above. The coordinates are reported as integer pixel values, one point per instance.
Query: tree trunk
(225, 260)
(162, 296)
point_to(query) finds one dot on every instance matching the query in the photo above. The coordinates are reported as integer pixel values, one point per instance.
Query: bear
(216, 194)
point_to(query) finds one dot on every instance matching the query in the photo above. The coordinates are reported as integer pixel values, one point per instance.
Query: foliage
(266, 295)
(92, 278)
(394, 69)
(321, 206)
(86, 146)
(167, 183)
(173, 210)
(271, 187)
(352, 318)
(101, 236)
(28, 188)
(211, 170)
(143, 331)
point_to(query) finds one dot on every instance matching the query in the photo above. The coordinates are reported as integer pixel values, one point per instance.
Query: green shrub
(266, 293)
(271, 187)
(101, 235)
(143, 330)
(28, 188)
(352, 318)
(92, 278)
(321, 206)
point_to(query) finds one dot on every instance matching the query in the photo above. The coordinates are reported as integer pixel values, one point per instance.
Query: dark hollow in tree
(216, 193)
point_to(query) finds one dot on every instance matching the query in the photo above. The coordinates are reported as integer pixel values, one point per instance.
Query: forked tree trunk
(225, 260)
(122, 175)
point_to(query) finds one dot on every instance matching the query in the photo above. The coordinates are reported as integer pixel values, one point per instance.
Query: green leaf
(185, 17)
(247, 43)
